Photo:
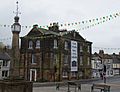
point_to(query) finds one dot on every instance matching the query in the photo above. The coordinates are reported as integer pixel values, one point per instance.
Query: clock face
(17, 28)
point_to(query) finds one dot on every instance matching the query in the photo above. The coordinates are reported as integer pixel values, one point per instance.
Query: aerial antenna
(17, 9)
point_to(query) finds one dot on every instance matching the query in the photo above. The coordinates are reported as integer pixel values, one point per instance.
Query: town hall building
(54, 55)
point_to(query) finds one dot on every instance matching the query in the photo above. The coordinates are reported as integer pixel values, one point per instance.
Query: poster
(74, 56)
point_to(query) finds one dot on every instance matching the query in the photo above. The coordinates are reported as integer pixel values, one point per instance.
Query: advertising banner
(74, 56)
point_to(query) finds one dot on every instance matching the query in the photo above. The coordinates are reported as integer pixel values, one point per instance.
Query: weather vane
(17, 9)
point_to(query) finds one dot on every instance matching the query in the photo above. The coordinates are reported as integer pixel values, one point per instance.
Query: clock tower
(14, 83)
(16, 28)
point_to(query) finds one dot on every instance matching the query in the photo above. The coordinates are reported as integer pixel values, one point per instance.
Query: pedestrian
(101, 75)
(104, 77)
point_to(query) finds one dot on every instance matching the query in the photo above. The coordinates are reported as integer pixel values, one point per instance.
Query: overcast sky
(44, 12)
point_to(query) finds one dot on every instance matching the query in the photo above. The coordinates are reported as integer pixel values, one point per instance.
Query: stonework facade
(54, 55)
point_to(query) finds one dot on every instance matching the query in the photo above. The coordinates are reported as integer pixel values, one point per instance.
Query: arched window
(38, 44)
(30, 45)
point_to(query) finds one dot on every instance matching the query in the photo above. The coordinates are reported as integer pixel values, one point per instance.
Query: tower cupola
(16, 27)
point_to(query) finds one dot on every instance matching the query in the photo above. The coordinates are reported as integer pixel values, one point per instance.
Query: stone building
(5, 60)
(97, 65)
(4, 65)
(54, 55)
(116, 63)
(107, 61)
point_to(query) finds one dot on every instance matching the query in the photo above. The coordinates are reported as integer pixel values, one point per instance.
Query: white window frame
(31, 74)
(55, 43)
(38, 44)
(6, 72)
(5, 63)
(30, 45)
(66, 45)
(81, 48)
(33, 59)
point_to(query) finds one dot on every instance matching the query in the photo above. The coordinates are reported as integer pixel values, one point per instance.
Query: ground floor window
(73, 74)
(5, 73)
(65, 74)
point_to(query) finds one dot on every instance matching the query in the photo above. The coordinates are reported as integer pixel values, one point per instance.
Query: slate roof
(4, 56)
(38, 32)
(116, 58)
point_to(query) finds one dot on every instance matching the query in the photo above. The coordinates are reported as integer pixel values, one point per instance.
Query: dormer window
(55, 44)
(38, 44)
(30, 45)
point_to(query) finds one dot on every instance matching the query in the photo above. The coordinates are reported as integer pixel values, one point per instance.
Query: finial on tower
(17, 12)
(17, 9)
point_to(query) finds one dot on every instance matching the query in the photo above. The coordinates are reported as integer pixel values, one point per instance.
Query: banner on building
(74, 56)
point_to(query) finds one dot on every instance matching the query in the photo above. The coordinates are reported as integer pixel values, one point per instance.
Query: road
(86, 87)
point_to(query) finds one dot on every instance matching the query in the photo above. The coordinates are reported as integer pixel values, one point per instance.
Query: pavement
(86, 86)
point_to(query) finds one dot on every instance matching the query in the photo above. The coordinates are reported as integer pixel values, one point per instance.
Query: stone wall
(17, 86)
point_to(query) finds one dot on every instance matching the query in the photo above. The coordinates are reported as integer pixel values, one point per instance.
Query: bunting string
(104, 48)
(82, 24)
